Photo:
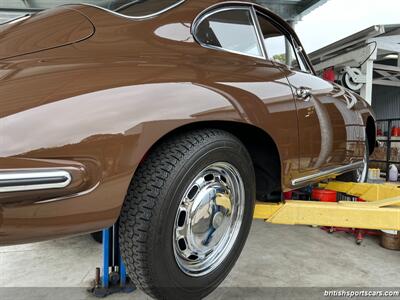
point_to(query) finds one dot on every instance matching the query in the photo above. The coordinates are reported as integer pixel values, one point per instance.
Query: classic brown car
(171, 118)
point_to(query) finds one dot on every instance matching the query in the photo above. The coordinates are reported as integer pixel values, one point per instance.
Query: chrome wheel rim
(363, 170)
(208, 219)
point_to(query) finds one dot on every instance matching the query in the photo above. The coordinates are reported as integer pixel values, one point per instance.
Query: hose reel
(353, 78)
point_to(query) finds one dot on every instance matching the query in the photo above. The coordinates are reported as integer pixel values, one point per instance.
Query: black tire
(353, 175)
(97, 236)
(148, 215)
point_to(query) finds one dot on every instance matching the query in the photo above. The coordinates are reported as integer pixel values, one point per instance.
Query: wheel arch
(370, 129)
(261, 146)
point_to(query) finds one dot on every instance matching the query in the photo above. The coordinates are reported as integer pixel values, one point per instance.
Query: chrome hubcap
(208, 219)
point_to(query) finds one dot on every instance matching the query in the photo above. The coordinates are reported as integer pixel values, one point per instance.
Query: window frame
(298, 53)
(254, 10)
(199, 20)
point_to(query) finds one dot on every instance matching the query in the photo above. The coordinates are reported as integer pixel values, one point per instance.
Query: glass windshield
(138, 8)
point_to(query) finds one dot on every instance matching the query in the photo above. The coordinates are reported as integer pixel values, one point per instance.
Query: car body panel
(332, 134)
(44, 31)
(98, 106)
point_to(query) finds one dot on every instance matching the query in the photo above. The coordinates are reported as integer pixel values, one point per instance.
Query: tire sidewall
(167, 274)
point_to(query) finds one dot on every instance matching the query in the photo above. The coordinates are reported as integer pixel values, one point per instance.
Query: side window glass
(231, 30)
(278, 46)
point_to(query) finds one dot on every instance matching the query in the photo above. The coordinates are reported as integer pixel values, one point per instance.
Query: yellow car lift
(380, 211)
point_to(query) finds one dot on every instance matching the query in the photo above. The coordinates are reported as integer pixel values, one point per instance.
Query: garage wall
(386, 102)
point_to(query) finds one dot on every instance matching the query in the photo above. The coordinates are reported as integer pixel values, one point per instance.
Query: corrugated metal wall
(386, 102)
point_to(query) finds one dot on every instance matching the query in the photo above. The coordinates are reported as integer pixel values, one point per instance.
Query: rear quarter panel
(101, 104)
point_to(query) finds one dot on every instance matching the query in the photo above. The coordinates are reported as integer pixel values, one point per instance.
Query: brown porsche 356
(170, 117)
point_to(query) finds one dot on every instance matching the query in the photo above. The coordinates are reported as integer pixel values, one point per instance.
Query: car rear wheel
(187, 214)
(361, 174)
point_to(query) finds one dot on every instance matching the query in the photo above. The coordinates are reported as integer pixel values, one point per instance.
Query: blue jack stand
(114, 279)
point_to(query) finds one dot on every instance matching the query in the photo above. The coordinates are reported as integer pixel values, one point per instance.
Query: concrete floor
(274, 257)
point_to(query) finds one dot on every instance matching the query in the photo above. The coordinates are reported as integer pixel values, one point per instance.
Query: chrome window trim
(258, 32)
(32, 180)
(326, 173)
(290, 39)
(204, 15)
(300, 55)
(135, 17)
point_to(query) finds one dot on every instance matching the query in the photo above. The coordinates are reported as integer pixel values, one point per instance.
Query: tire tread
(144, 195)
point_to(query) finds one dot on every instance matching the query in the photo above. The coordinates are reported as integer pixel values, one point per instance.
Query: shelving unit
(391, 143)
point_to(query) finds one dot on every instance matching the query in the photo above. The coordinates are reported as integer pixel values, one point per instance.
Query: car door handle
(303, 94)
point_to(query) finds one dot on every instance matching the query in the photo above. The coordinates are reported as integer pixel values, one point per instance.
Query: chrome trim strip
(32, 180)
(326, 173)
(137, 18)
(204, 15)
(257, 26)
